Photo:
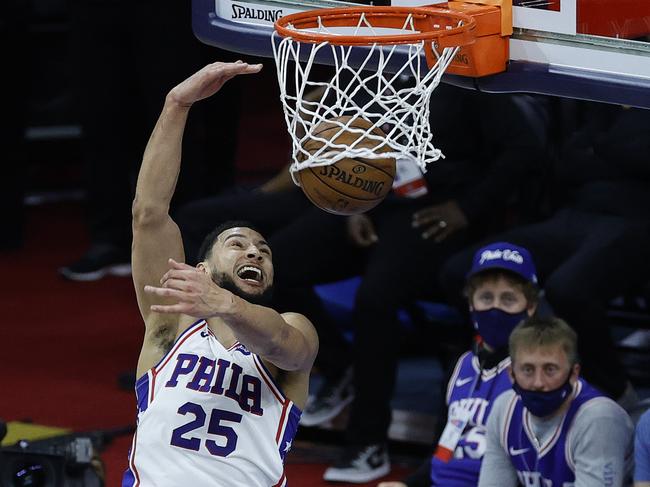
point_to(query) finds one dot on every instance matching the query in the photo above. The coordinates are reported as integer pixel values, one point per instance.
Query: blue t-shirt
(642, 449)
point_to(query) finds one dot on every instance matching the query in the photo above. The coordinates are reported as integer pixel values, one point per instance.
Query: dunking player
(553, 428)
(501, 290)
(218, 398)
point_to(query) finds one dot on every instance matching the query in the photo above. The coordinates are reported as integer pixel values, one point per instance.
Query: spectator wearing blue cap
(554, 428)
(501, 291)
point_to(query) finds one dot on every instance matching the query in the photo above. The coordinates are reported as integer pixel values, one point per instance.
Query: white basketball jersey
(210, 416)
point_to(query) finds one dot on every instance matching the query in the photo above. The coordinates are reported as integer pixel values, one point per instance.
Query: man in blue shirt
(554, 429)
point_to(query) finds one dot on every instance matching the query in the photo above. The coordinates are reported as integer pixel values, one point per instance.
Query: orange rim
(434, 24)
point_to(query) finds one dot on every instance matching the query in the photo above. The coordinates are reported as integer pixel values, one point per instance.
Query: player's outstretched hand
(195, 291)
(391, 484)
(208, 81)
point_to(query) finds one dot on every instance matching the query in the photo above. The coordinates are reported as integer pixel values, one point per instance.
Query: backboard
(588, 49)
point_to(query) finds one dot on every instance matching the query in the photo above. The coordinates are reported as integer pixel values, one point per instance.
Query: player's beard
(223, 280)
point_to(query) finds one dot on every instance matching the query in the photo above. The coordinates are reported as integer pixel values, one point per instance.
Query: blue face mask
(544, 403)
(495, 325)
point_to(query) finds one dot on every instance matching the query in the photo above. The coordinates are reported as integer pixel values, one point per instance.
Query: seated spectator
(501, 291)
(554, 428)
(642, 452)
(596, 245)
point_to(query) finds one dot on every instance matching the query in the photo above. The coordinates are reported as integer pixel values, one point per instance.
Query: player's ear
(203, 267)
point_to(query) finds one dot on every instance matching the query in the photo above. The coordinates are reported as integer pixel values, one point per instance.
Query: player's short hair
(205, 250)
(536, 332)
(530, 289)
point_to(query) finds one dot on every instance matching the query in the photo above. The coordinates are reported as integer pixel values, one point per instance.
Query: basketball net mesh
(396, 101)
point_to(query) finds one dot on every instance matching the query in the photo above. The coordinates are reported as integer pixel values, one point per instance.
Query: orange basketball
(351, 185)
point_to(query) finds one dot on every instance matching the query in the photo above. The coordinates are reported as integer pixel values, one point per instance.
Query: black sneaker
(329, 401)
(99, 261)
(360, 464)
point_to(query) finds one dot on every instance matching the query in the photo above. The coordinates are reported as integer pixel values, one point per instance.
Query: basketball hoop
(369, 82)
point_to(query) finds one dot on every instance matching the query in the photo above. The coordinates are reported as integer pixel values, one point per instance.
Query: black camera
(64, 461)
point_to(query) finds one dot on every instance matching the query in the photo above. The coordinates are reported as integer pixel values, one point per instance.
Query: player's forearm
(265, 332)
(161, 162)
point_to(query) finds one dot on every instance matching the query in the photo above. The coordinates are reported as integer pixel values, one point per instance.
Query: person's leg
(106, 109)
(613, 258)
(129, 63)
(401, 266)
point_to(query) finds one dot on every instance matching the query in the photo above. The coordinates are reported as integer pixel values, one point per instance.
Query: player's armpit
(158, 341)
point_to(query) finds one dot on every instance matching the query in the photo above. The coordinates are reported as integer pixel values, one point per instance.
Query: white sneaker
(359, 465)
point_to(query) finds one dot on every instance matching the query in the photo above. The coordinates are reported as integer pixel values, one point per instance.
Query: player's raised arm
(156, 237)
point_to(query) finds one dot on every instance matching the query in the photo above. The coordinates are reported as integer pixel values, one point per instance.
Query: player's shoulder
(292, 317)
(302, 323)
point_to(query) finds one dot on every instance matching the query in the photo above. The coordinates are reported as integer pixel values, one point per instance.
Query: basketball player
(553, 428)
(502, 291)
(219, 398)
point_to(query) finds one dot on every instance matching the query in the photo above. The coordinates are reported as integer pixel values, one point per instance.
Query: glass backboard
(589, 49)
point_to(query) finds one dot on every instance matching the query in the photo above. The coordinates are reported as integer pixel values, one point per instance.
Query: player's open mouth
(250, 274)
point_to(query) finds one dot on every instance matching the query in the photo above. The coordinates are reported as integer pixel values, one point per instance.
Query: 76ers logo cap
(506, 256)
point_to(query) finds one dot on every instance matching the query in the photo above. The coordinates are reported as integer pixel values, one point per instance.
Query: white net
(390, 94)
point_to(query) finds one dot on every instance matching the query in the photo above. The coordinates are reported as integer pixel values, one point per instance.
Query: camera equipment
(63, 461)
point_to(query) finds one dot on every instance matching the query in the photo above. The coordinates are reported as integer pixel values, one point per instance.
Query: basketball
(351, 185)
